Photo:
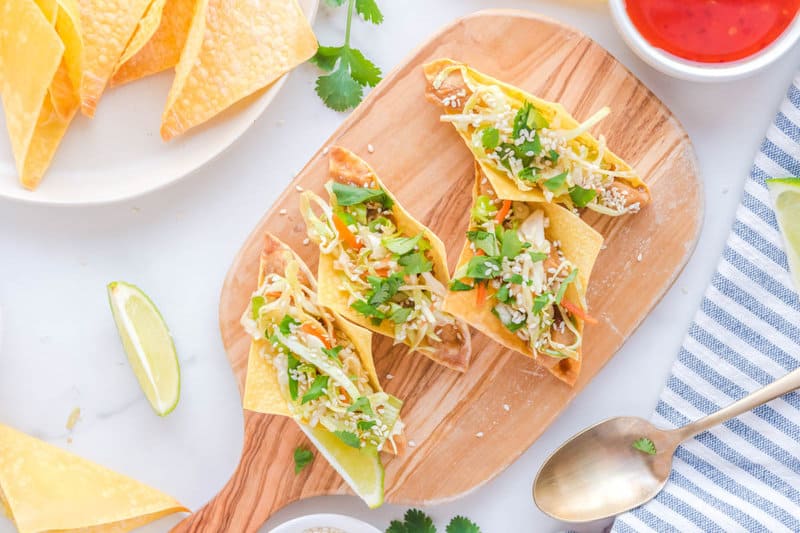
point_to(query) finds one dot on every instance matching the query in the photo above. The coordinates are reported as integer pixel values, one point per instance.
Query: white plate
(344, 523)
(119, 154)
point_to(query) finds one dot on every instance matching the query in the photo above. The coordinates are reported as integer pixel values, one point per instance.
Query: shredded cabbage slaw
(528, 274)
(319, 371)
(536, 152)
(387, 273)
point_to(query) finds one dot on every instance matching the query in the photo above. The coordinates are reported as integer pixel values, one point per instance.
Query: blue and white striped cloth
(744, 475)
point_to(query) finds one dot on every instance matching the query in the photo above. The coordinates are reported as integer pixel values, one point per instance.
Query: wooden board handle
(261, 484)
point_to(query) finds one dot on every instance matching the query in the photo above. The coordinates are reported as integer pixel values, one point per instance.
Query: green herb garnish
(415, 521)
(645, 445)
(368, 310)
(400, 315)
(361, 405)
(540, 301)
(564, 283)
(580, 196)
(484, 267)
(293, 363)
(333, 353)
(483, 240)
(415, 263)
(490, 138)
(302, 458)
(365, 425)
(351, 439)
(511, 244)
(285, 324)
(347, 195)
(317, 389)
(383, 288)
(457, 286)
(255, 305)
(349, 71)
(556, 182)
(402, 245)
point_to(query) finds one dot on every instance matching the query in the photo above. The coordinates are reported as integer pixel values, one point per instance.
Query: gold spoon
(598, 473)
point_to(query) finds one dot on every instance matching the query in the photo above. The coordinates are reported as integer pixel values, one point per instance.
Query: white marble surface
(60, 350)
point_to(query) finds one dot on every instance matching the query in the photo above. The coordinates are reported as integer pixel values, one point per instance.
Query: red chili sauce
(712, 31)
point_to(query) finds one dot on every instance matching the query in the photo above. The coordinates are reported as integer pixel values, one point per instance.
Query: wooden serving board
(430, 170)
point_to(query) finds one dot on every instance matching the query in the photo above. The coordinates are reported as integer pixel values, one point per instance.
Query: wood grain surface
(430, 170)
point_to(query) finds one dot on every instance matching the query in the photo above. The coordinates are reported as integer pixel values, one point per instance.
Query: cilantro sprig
(302, 458)
(416, 521)
(349, 71)
(645, 445)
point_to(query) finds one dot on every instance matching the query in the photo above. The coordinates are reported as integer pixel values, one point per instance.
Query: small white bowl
(694, 70)
(337, 521)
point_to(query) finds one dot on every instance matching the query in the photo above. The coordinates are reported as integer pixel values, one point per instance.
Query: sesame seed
(479, 434)
(506, 407)
(306, 241)
(298, 188)
(411, 443)
(389, 376)
(639, 257)
(282, 212)
(370, 148)
(325, 151)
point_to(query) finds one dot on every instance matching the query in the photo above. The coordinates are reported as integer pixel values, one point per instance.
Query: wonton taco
(381, 268)
(522, 275)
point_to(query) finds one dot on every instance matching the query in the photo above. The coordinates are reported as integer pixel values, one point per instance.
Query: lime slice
(149, 345)
(785, 194)
(361, 468)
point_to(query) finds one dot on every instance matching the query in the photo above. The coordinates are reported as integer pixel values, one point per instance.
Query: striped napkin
(744, 475)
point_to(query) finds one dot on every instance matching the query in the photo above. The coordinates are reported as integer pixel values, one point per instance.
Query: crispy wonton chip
(107, 27)
(163, 50)
(46, 489)
(580, 243)
(233, 50)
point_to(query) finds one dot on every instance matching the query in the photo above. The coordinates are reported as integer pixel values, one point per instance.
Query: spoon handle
(787, 383)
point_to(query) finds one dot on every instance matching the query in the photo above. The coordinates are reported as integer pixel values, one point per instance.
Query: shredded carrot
(479, 251)
(575, 310)
(273, 294)
(480, 294)
(501, 215)
(383, 271)
(316, 330)
(347, 236)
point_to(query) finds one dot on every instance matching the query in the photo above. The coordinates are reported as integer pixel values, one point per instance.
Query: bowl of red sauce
(708, 40)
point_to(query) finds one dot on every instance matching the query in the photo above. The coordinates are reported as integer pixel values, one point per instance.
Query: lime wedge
(361, 468)
(785, 193)
(149, 345)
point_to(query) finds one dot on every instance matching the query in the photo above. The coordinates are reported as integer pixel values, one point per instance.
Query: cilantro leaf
(510, 326)
(645, 445)
(483, 267)
(402, 245)
(317, 389)
(580, 196)
(511, 245)
(347, 195)
(339, 90)
(415, 263)
(515, 279)
(503, 295)
(349, 71)
(287, 321)
(521, 119)
(400, 315)
(302, 457)
(537, 256)
(540, 302)
(553, 156)
(457, 286)
(351, 439)
(255, 306)
(364, 71)
(556, 182)
(383, 288)
(367, 310)
(536, 120)
(364, 425)
(490, 138)
(396, 526)
(362, 405)
(483, 240)
(326, 57)
(460, 524)
(564, 283)
(333, 353)
(369, 11)
(418, 522)
(293, 363)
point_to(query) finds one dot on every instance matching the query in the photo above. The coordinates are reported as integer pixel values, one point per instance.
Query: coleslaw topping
(387, 273)
(535, 151)
(320, 373)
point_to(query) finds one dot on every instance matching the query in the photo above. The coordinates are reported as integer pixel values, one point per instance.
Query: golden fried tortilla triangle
(224, 60)
(49, 489)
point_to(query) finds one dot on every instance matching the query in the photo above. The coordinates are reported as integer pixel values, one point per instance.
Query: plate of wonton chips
(87, 120)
